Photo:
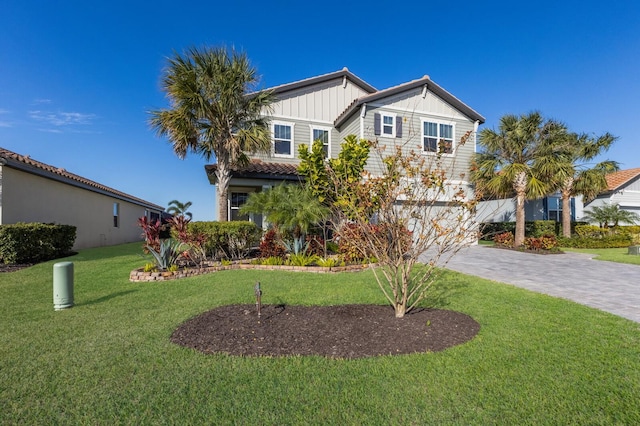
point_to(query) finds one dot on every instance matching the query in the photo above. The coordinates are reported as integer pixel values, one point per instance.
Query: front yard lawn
(109, 359)
(619, 255)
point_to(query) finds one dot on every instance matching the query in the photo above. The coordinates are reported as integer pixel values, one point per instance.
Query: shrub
(610, 241)
(167, 255)
(535, 228)
(395, 240)
(273, 260)
(150, 232)
(351, 243)
(232, 240)
(504, 239)
(328, 262)
(35, 242)
(540, 228)
(301, 260)
(271, 245)
(590, 231)
(546, 242)
(315, 245)
(150, 267)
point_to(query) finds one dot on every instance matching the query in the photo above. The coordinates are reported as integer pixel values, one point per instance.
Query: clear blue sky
(78, 77)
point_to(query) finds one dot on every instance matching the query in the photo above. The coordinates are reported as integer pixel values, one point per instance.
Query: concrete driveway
(611, 287)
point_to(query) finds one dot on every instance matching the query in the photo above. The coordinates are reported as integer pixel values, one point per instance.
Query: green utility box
(634, 250)
(62, 285)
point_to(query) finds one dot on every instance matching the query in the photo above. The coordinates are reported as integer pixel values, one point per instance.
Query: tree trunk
(566, 214)
(520, 186)
(519, 236)
(566, 207)
(223, 176)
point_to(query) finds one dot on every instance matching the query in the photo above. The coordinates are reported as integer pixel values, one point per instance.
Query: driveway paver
(609, 286)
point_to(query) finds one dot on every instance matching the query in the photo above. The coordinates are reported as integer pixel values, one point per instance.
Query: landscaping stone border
(139, 275)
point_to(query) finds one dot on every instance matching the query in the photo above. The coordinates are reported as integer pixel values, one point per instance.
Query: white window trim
(273, 138)
(454, 145)
(313, 127)
(393, 124)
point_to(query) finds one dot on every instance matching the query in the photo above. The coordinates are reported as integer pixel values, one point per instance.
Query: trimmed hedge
(535, 228)
(230, 240)
(35, 242)
(611, 241)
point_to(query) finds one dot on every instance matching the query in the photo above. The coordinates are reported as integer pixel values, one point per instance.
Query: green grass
(620, 255)
(108, 360)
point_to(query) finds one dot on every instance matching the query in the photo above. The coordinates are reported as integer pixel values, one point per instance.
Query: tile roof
(29, 165)
(258, 168)
(617, 179)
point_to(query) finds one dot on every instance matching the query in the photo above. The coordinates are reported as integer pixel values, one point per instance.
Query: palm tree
(609, 215)
(289, 208)
(518, 159)
(575, 178)
(214, 111)
(176, 208)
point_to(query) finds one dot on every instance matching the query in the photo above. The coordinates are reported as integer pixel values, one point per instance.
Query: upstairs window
(283, 140)
(387, 125)
(321, 134)
(437, 137)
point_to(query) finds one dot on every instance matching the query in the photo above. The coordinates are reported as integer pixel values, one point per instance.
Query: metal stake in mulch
(258, 293)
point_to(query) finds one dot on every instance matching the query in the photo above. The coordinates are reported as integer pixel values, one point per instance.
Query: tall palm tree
(214, 111)
(518, 159)
(176, 208)
(576, 178)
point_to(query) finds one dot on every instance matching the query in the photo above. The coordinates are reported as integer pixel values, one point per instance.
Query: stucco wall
(29, 198)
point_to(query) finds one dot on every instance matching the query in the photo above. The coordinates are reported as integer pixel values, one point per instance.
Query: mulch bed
(343, 331)
(524, 250)
(13, 267)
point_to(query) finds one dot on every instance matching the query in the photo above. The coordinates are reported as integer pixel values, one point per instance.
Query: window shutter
(376, 124)
(398, 126)
(573, 209)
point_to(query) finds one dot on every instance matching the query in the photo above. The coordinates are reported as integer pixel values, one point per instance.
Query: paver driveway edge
(609, 286)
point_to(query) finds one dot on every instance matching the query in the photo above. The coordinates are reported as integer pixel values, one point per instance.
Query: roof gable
(29, 165)
(424, 82)
(342, 74)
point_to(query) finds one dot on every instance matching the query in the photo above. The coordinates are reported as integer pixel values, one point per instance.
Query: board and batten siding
(321, 103)
(412, 119)
(301, 134)
(626, 197)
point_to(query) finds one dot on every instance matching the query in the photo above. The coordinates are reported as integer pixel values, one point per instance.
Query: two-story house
(418, 115)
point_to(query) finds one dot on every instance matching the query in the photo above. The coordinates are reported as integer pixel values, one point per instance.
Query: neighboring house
(417, 115)
(547, 208)
(31, 191)
(623, 188)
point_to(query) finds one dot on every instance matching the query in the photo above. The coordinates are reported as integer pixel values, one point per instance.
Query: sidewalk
(611, 287)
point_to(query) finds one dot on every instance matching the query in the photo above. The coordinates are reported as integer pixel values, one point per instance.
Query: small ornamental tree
(610, 215)
(289, 208)
(416, 211)
(321, 175)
